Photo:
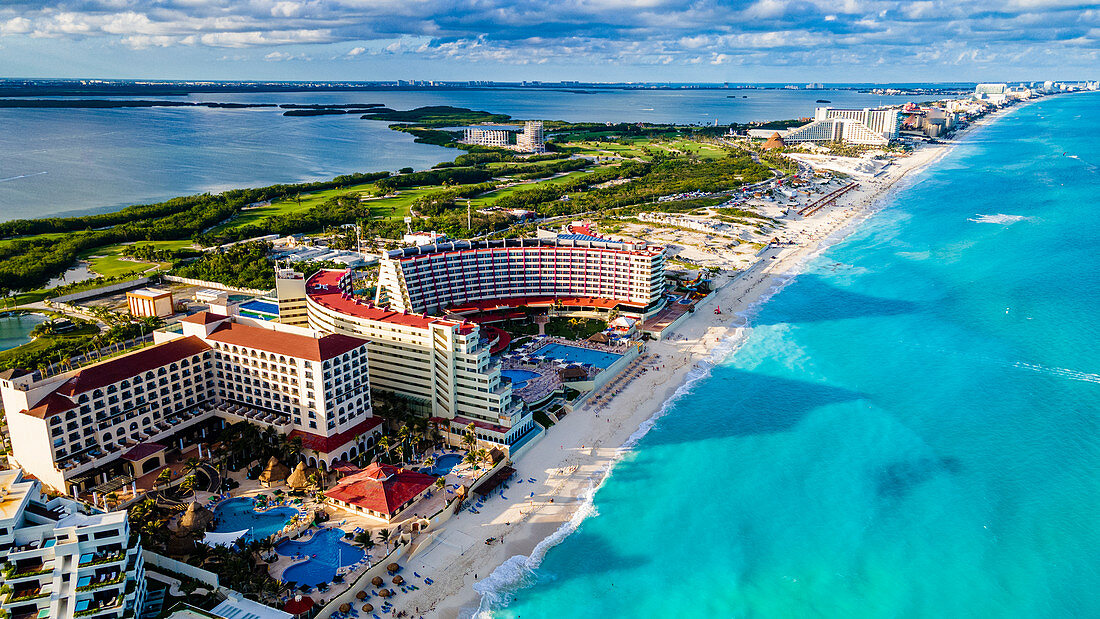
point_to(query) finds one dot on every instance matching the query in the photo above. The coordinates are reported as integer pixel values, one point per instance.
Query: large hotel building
(865, 126)
(115, 420)
(587, 271)
(60, 561)
(441, 361)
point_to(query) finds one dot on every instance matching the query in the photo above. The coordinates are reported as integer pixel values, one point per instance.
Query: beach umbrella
(384, 593)
(376, 581)
(362, 595)
(392, 567)
(397, 580)
(367, 608)
(345, 608)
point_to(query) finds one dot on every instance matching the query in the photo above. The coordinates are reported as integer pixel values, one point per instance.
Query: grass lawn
(109, 262)
(282, 206)
(33, 237)
(487, 199)
(45, 343)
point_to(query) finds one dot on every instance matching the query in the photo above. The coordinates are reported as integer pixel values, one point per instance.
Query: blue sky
(589, 40)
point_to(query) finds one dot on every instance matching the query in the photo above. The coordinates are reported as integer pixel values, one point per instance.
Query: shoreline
(470, 577)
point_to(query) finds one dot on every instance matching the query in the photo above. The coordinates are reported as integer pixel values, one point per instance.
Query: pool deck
(349, 521)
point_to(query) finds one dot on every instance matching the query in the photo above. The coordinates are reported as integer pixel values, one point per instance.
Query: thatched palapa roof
(774, 142)
(274, 471)
(298, 479)
(195, 518)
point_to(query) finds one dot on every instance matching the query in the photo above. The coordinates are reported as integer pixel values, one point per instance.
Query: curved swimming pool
(519, 378)
(443, 465)
(238, 515)
(327, 552)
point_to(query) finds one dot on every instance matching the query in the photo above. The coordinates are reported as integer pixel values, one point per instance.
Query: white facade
(499, 138)
(71, 430)
(532, 138)
(61, 563)
(440, 363)
(433, 277)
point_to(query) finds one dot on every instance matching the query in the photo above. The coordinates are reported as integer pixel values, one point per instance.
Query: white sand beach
(572, 458)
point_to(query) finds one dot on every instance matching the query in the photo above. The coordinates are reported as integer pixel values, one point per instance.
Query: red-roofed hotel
(115, 419)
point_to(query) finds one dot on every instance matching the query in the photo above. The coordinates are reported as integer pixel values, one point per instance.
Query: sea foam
(999, 218)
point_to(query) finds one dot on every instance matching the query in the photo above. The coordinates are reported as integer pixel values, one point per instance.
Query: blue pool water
(259, 309)
(327, 551)
(519, 377)
(911, 428)
(238, 514)
(576, 354)
(443, 464)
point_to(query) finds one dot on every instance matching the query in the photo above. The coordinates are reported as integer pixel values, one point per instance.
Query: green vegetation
(243, 266)
(29, 262)
(659, 160)
(52, 347)
(574, 328)
(438, 116)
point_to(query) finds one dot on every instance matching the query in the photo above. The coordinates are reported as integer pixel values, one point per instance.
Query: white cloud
(284, 56)
(355, 51)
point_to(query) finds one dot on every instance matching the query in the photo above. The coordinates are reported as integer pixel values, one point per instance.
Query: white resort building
(114, 421)
(866, 126)
(62, 563)
(438, 364)
(572, 269)
(530, 140)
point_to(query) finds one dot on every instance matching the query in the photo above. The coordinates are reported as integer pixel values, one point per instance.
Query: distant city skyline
(588, 40)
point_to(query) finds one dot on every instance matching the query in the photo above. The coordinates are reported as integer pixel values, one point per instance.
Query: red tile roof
(281, 343)
(203, 318)
(114, 370)
(50, 405)
(381, 488)
(323, 289)
(298, 606)
(142, 450)
(324, 445)
(462, 422)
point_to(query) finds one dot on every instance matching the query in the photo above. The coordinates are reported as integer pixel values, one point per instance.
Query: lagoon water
(74, 161)
(911, 429)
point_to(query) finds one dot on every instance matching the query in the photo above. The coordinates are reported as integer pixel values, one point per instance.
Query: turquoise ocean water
(911, 429)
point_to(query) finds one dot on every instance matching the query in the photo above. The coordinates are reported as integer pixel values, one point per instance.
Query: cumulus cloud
(776, 32)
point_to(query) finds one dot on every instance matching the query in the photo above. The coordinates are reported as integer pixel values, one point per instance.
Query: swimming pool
(238, 514)
(264, 310)
(327, 552)
(443, 464)
(576, 354)
(519, 377)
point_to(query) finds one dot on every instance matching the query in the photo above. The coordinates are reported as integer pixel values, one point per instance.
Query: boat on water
(823, 101)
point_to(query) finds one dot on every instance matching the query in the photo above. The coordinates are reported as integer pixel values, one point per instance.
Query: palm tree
(482, 454)
(441, 483)
(110, 499)
(429, 461)
(191, 465)
(403, 439)
(187, 486)
(384, 535)
(164, 477)
(469, 438)
(385, 444)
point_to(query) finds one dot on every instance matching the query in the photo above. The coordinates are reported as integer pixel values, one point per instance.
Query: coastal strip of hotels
(422, 332)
